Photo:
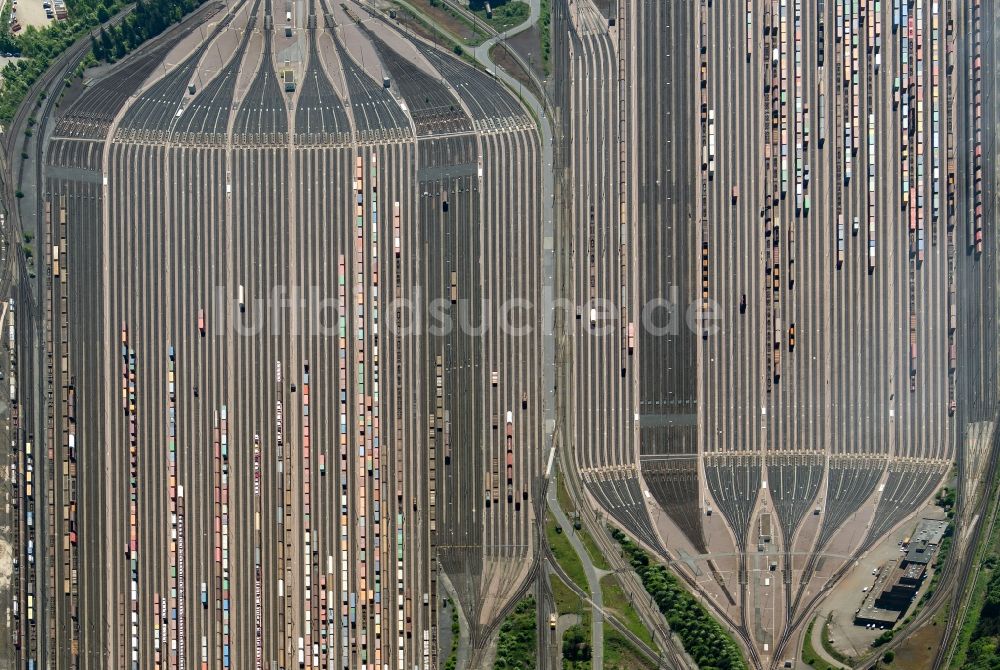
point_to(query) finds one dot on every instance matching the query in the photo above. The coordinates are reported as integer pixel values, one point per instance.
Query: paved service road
(593, 578)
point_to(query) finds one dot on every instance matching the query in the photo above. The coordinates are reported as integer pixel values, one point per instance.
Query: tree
(106, 45)
(576, 646)
(889, 656)
(884, 638)
(119, 38)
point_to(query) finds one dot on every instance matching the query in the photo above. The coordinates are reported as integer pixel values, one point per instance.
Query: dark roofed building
(931, 530)
(920, 551)
(901, 586)
(926, 538)
(900, 580)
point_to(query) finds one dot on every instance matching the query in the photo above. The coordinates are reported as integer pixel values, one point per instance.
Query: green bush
(983, 654)
(945, 499)
(884, 638)
(505, 16)
(576, 644)
(518, 638)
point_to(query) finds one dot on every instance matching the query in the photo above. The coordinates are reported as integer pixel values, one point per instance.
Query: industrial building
(899, 581)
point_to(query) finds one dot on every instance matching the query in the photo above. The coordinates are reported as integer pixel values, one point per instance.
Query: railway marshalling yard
(275, 419)
(807, 173)
(280, 458)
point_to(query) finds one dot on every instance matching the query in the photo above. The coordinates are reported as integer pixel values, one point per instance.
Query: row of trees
(150, 18)
(703, 637)
(452, 660)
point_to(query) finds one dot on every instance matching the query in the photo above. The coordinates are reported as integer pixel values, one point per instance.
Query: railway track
(951, 585)
(946, 651)
(946, 587)
(957, 614)
(739, 628)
